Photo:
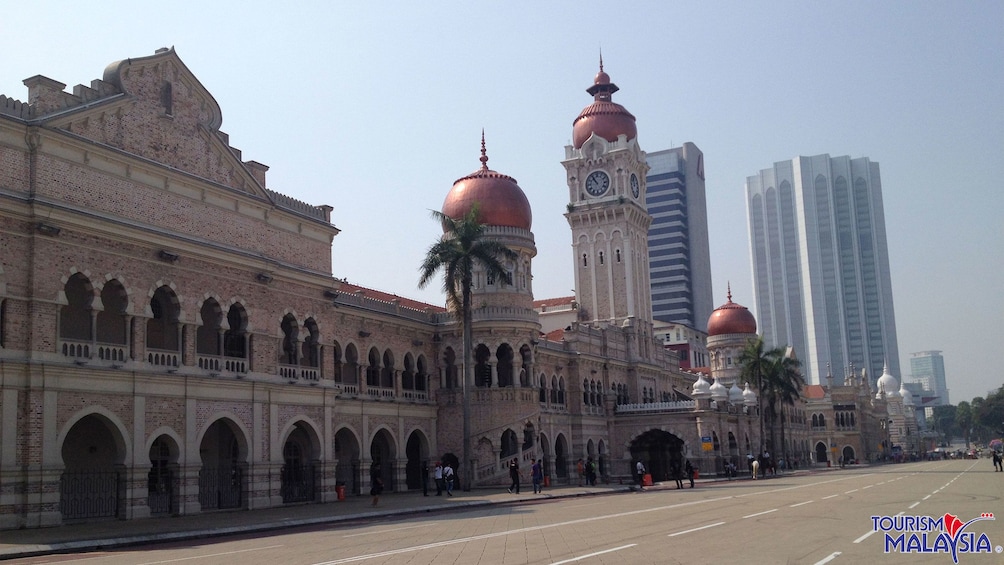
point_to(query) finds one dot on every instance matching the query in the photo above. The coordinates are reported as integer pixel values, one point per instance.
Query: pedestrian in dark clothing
(514, 475)
(591, 472)
(677, 475)
(690, 473)
(376, 483)
(537, 475)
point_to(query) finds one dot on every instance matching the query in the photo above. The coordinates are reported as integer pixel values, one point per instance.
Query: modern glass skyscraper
(821, 265)
(928, 368)
(678, 251)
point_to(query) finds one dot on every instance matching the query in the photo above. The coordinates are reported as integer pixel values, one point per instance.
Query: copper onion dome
(500, 200)
(603, 117)
(731, 318)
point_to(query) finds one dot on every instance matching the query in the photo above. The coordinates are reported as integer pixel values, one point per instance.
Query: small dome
(731, 318)
(701, 388)
(501, 202)
(887, 384)
(906, 394)
(749, 397)
(603, 117)
(719, 392)
(735, 394)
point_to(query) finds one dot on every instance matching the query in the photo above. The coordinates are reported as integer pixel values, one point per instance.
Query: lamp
(45, 228)
(168, 256)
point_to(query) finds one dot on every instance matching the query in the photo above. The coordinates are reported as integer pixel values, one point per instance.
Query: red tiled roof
(555, 335)
(349, 288)
(813, 391)
(549, 302)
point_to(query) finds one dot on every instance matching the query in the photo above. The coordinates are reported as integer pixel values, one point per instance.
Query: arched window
(75, 317)
(290, 338)
(162, 329)
(311, 348)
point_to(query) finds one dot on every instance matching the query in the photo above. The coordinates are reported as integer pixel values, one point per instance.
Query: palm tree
(462, 246)
(756, 365)
(787, 386)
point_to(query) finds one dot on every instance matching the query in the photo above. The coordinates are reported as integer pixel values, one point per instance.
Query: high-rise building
(821, 265)
(928, 368)
(679, 255)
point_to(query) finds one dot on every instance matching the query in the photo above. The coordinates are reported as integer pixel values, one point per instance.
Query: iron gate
(220, 487)
(297, 483)
(89, 494)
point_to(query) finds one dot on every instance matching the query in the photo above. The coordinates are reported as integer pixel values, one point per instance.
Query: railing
(415, 394)
(111, 352)
(162, 358)
(295, 373)
(75, 349)
(380, 392)
(348, 389)
(654, 407)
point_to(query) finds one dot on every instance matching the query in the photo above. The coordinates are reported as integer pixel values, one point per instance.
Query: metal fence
(89, 494)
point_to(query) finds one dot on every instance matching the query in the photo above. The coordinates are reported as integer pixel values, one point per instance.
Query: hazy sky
(376, 108)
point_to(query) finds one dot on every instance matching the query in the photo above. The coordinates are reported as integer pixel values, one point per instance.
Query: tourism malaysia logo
(928, 534)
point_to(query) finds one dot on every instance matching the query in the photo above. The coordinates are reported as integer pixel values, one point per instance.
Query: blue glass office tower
(678, 251)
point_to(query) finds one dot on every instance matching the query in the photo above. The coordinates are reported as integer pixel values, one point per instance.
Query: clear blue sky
(377, 107)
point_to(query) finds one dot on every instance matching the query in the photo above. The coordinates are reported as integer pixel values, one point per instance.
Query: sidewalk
(117, 533)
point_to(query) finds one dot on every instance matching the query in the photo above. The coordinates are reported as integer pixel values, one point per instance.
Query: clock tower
(607, 212)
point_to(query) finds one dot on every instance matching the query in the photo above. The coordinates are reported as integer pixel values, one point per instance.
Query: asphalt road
(816, 519)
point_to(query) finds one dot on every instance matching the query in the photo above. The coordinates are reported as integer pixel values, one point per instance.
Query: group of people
(536, 475)
(587, 472)
(678, 472)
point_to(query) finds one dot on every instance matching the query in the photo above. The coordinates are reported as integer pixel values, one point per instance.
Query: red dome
(731, 318)
(500, 200)
(603, 117)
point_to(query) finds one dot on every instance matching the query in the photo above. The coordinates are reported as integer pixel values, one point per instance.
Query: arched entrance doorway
(347, 461)
(561, 457)
(163, 480)
(383, 454)
(299, 469)
(92, 484)
(848, 454)
(661, 452)
(417, 451)
(224, 466)
(821, 452)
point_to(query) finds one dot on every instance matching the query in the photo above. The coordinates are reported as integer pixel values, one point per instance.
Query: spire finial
(601, 59)
(729, 294)
(484, 153)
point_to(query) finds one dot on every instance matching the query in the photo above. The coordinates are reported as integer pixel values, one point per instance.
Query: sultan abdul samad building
(173, 340)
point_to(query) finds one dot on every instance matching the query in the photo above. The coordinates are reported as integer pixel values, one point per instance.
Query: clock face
(635, 188)
(597, 183)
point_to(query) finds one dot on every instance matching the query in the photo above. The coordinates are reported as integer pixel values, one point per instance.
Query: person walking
(514, 475)
(437, 475)
(537, 476)
(591, 472)
(639, 472)
(677, 472)
(998, 462)
(448, 476)
(376, 483)
(690, 473)
(581, 468)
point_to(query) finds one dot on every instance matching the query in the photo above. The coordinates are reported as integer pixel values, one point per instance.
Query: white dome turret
(749, 397)
(719, 392)
(702, 389)
(735, 394)
(887, 384)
